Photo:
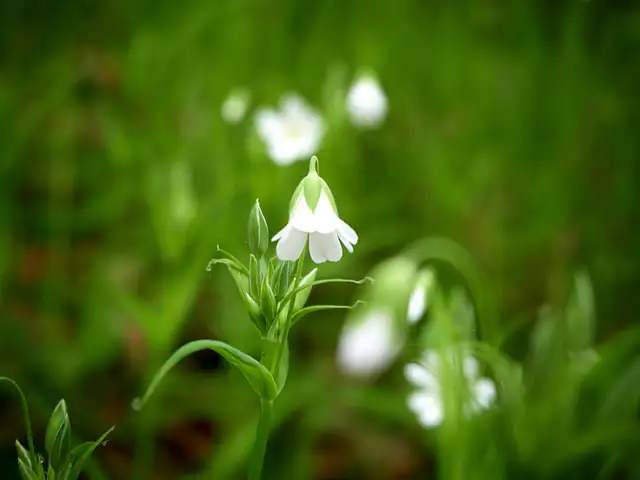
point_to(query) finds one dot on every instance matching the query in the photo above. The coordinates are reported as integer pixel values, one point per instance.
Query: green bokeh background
(512, 129)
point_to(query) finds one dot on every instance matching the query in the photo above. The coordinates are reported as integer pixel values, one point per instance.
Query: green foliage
(512, 129)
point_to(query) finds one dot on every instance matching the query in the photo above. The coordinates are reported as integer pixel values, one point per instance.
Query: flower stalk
(274, 295)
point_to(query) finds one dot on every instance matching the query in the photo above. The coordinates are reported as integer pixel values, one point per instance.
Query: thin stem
(287, 325)
(27, 420)
(260, 443)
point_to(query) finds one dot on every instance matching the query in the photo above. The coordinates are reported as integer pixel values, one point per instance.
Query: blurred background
(512, 128)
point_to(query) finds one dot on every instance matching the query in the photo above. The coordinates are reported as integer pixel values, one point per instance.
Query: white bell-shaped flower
(418, 301)
(294, 132)
(369, 345)
(426, 401)
(313, 215)
(366, 102)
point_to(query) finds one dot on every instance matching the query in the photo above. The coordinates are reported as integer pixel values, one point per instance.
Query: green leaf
(623, 400)
(58, 437)
(256, 374)
(283, 368)
(230, 261)
(27, 420)
(225, 261)
(25, 471)
(23, 454)
(580, 314)
(267, 302)
(304, 285)
(81, 453)
(316, 308)
(254, 313)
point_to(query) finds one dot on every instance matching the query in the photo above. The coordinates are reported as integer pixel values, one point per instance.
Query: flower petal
(484, 392)
(420, 377)
(317, 248)
(347, 232)
(470, 367)
(326, 219)
(301, 217)
(417, 304)
(332, 247)
(368, 345)
(345, 242)
(267, 123)
(281, 233)
(291, 244)
(324, 246)
(427, 407)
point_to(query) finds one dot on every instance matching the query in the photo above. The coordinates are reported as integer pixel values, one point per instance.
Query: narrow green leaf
(27, 420)
(316, 308)
(25, 471)
(225, 261)
(313, 283)
(254, 313)
(580, 316)
(623, 400)
(23, 454)
(237, 263)
(256, 374)
(81, 453)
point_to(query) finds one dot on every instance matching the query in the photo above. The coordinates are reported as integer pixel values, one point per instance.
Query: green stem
(287, 325)
(260, 443)
(27, 420)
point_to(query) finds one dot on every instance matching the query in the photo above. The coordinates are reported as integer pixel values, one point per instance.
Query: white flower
(366, 102)
(369, 345)
(418, 301)
(235, 106)
(427, 403)
(292, 133)
(313, 215)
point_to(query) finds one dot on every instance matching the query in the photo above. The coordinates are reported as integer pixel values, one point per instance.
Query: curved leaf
(445, 250)
(315, 308)
(302, 287)
(256, 374)
(27, 420)
(81, 454)
(229, 260)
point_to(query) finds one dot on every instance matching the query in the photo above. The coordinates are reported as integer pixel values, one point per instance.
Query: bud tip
(313, 166)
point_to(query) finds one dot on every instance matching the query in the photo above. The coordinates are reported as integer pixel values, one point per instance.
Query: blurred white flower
(235, 106)
(366, 102)
(427, 403)
(418, 302)
(366, 347)
(294, 132)
(313, 215)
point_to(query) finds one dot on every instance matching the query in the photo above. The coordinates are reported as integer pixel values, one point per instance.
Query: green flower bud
(58, 437)
(258, 231)
(282, 278)
(267, 302)
(255, 314)
(254, 277)
(303, 295)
